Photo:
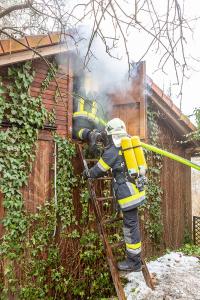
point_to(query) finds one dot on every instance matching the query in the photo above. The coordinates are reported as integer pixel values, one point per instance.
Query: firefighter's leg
(83, 134)
(92, 137)
(132, 240)
(83, 128)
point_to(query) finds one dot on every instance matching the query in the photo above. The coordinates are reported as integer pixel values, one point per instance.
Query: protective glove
(86, 174)
(94, 138)
(141, 181)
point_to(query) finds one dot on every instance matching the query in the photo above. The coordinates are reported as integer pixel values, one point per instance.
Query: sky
(190, 90)
(167, 80)
(138, 42)
(111, 71)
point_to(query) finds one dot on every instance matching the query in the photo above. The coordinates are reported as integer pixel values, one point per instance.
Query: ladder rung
(104, 178)
(117, 245)
(91, 159)
(104, 198)
(108, 246)
(110, 221)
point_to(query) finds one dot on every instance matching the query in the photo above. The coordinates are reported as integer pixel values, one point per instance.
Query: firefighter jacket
(126, 193)
(86, 118)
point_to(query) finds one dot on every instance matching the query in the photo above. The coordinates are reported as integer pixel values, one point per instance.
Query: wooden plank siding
(176, 198)
(52, 99)
(131, 108)
(40, 180)
(130, 105)
(39, 187)
(176, 186)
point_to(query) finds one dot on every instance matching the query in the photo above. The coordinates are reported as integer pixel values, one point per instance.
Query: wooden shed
(131, 107)
(175, 177)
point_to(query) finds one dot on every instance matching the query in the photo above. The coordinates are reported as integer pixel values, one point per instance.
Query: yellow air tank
(129, 156)
(139, 154)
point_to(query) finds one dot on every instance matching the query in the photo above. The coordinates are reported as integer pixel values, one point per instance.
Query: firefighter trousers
(132, 234)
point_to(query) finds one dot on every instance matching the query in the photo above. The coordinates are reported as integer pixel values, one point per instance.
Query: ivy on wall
(56, 252)
(151, 212)
(26, 115)
(197, 116)
(196, 134)
(49, 76)
(43, 272)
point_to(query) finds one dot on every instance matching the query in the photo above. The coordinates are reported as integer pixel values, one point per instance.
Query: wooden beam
(34, 41)
(70, 101)
(165, 100)
(8, 124)
(179, 126)
(174, 120)
(143, 105)
(30, 55)
(193, 151)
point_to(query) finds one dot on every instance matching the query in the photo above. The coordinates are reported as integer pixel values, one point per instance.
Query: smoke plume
(99, 75)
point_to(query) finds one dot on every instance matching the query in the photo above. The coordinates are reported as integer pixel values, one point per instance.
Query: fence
(196, 230)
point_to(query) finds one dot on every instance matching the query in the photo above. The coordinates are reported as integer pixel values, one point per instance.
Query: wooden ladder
(107, 246)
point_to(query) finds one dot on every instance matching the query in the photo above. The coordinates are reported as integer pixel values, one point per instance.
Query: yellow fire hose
(171, 155)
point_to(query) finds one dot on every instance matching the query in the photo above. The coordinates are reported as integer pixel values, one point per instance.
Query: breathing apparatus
(133, 156)
(131, 150)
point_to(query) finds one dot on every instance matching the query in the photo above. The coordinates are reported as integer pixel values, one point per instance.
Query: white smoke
(102, 74)
(110, 73)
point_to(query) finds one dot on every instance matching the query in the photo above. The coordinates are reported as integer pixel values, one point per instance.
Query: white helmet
(115, 126)
(117, 129)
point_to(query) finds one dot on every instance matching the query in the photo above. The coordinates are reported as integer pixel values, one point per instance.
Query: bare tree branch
(113, 21)
(10, 9)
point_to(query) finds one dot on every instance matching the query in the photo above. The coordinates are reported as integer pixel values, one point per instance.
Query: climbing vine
(81, 273)
(49, 76)
(42, 260)
(26, 115)
(197, 117)
(56, 252)
(153, 220)
(196, 134)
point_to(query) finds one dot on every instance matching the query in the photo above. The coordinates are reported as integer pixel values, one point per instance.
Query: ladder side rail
(107, 246)
(147, 275)
(110, 258)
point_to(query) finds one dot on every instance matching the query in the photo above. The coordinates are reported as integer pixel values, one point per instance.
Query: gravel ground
(177, 277)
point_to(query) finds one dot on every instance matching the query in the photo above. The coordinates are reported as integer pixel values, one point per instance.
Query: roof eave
(21, 56)
(180, 122)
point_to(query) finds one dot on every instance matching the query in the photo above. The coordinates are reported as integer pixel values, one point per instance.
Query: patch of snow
(177, 276)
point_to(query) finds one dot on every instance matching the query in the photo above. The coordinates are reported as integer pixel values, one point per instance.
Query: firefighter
(86, 124)
(127, 194)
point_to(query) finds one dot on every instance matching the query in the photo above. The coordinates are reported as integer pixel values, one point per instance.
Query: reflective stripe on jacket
(126, 193)
(83, 112)
(86, 118)
(89, 116)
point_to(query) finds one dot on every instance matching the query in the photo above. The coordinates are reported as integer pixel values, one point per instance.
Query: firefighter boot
(131, 264)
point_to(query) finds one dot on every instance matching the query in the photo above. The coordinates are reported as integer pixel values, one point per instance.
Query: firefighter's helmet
(115, 127)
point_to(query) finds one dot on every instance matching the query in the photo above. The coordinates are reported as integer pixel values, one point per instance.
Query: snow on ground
(178, 277)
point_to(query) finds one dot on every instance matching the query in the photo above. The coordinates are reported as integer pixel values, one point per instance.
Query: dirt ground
(177, 277)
